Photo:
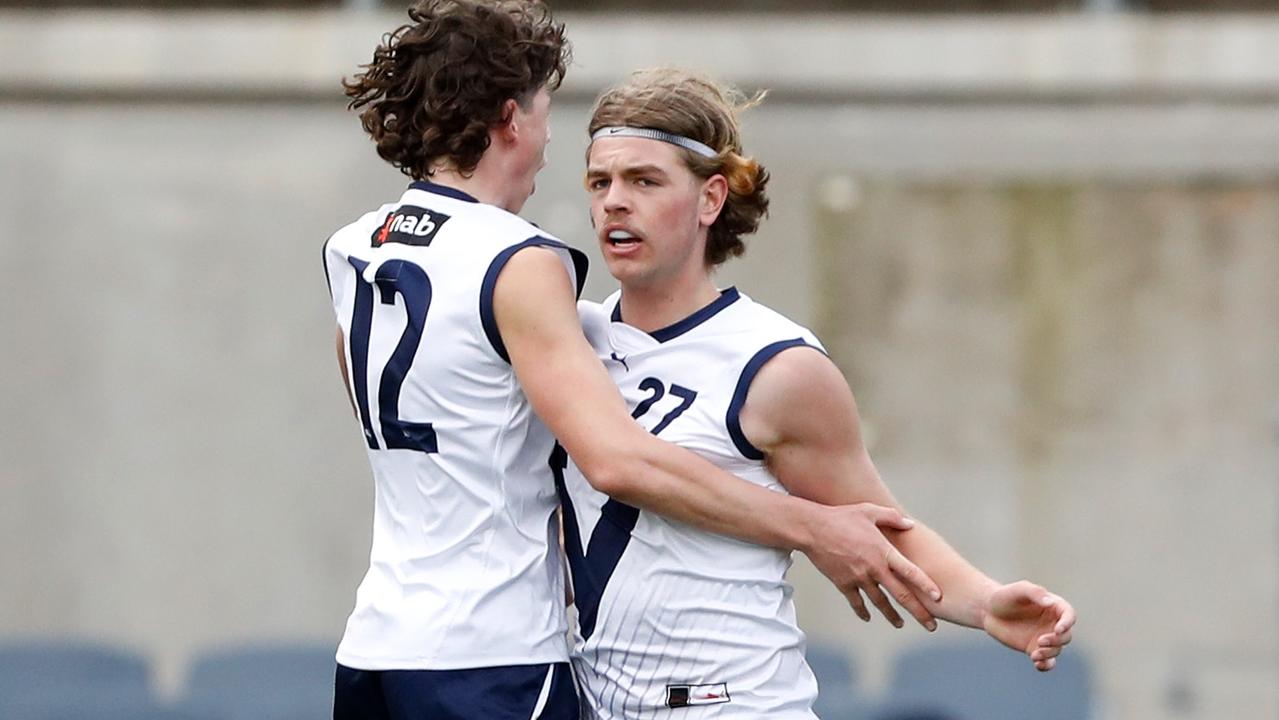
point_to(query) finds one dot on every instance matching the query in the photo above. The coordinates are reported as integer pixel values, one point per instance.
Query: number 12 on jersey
(409, 281)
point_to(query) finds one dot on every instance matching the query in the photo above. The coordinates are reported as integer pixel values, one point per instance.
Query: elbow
(616, 476)
(606, 480)
(620, 462)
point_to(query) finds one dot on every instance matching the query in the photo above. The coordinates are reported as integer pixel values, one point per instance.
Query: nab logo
(410, 225)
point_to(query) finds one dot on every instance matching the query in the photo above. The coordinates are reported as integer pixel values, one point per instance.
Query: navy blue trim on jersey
(324, 259)
(592, 568)
(509, 692)
(444, 190)
(487, 318)
(734, 420)
(674, 330)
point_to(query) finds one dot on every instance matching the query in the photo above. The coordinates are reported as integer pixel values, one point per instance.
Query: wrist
(985, 608)
(806, 531)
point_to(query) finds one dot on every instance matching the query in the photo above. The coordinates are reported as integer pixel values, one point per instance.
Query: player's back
(464, 570)
(671, 616)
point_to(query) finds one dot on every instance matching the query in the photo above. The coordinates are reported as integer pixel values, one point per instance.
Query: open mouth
(622, 238)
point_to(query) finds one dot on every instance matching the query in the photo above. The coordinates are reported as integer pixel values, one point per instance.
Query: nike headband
(653, 134)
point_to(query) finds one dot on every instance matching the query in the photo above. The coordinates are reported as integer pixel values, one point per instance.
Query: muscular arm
(801, 414)
(568, 387)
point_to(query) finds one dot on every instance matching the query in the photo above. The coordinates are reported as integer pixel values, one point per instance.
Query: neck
(652, 308)
(487, 184)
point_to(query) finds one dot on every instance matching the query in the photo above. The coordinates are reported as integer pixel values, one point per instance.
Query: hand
(1029, 619)
(853, 553)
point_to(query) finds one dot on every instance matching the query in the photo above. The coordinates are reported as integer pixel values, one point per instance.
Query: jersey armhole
(487, 318)
(324, 259)
(733, 419)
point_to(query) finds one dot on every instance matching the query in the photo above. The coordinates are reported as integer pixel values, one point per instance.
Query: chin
(624, 271)
(616, 267)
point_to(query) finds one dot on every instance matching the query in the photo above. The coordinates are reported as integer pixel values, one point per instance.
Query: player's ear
(714, 193)
(508, 126)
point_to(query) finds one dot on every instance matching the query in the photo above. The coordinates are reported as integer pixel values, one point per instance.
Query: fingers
(910, 572)
(886, 516)
(859, 607)
(885, 608)
(906, 598)
(1067, 619)
(1045, 653)
(1065, 611)
(1055, 639)
(1049, 648)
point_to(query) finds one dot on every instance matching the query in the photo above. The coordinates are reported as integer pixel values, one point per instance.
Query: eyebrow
(631, 171)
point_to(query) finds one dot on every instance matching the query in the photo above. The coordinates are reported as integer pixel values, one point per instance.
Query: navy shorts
(514, 692)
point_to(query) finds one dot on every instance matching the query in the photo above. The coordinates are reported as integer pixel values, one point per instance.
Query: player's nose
(616, 198)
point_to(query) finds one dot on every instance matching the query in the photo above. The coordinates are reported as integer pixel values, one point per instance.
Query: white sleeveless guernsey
(465, 568)
(674, 622)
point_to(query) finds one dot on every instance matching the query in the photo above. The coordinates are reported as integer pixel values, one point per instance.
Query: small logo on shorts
(689, 695)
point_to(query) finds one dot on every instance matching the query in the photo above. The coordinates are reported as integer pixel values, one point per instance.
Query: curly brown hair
(688, 104)
(436, 85)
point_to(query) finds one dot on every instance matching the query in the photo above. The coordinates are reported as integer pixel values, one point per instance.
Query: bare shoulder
(534, 305)
(534, 281)
(533, 265)
(798, 393)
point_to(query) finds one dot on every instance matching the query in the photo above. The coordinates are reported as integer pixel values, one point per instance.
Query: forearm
(659, 477)
(966, 591)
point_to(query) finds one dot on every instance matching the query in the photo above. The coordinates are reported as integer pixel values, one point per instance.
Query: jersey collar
(444, 190)
(674, 330)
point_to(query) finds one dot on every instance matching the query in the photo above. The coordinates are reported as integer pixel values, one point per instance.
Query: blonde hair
(685, 103)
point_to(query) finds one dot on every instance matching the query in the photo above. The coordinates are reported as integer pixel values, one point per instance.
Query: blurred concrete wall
(1071, 378)
(1043, 250)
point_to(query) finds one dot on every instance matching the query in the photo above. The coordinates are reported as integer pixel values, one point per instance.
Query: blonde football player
(675, 621)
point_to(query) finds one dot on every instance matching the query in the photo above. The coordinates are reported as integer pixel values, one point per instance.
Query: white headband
(653, 134)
